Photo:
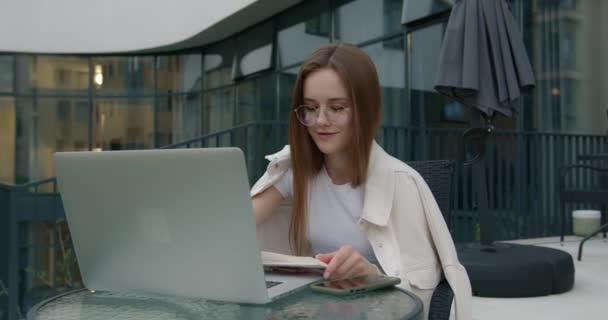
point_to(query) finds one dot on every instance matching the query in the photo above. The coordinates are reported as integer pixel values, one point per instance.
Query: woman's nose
(322, 118)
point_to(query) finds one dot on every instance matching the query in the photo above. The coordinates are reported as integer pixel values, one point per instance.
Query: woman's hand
(346, 263)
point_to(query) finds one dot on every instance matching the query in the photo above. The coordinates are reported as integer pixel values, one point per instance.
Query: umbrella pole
(479, 174)
(504, 269)
(486, 219)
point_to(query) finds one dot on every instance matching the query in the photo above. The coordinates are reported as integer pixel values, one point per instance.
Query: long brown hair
(358, 74)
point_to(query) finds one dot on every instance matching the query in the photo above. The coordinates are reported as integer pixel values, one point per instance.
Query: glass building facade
(52, 103)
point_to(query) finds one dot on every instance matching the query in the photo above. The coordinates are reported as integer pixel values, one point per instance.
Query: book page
(271, 259)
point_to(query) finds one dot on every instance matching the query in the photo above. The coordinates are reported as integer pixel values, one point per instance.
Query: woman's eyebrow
(330, 100)
(340, 99)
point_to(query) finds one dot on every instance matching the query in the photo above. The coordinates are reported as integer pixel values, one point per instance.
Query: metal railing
(33, 229)
(522, 170)
(32, 223)
(256, 139)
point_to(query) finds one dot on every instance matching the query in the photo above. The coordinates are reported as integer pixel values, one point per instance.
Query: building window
(318, 25)
(63, 110)
(301, 30)
(254, 51)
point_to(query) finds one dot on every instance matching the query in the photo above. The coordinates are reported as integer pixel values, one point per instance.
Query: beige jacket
(403, 224)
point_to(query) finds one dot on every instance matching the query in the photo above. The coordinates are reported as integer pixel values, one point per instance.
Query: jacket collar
(379, 188)
(282, 155)
(379, 185)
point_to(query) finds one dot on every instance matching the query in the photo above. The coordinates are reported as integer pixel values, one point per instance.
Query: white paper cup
(585, 221)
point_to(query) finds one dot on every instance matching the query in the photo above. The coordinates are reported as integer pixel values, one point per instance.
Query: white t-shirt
(333, 214)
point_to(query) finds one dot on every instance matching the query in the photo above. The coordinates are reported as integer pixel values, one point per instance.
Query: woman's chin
(328, 148)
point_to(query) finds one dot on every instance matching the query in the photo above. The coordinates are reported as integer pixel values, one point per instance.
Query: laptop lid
(171, 222)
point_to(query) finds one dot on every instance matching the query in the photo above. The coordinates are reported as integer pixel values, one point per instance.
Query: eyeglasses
(334, 113)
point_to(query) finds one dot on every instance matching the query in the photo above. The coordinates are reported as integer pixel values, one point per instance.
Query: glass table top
(83, 304)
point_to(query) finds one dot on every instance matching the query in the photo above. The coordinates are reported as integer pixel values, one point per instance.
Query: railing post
(4, 247)
(13, 256)
(559, 163)
(520, 177)
(252, 133)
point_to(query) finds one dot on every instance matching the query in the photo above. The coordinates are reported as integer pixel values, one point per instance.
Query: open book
(276, 262)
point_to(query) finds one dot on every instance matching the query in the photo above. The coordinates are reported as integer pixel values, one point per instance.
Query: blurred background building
(132, 100)
(119, 75)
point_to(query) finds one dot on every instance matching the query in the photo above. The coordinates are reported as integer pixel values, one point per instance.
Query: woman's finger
(337, 260)
(325, 257)
(351, 266)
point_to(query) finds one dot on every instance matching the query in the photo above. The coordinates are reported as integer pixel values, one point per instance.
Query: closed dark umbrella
(483, 65)
(483, 62)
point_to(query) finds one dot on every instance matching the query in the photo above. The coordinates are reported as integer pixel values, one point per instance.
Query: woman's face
(329, 110)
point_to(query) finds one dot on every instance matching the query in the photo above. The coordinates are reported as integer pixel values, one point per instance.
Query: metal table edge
(418, 309)
(32, 311)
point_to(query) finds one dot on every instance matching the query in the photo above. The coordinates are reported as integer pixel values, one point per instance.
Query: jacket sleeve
(273, 234)
(454, 272)
(262, 184)
(279, 164)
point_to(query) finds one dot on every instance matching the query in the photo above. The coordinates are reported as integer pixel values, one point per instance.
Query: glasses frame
(326, 112)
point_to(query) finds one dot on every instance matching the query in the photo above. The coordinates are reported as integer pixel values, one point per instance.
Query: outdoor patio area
(587, 300)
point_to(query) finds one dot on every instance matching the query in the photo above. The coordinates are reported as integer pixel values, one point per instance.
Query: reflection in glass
(177, 74)
(389, 58)
(218, 64)
(48, 74)
(178, 119)
(302, 30)
(218, 110)
(256, 100)
(363, 20)
(453, 111)
(568, 58)
(287, 79)
(6, 73)
(254, 50)
(561, 4)
(123, 124)
(7, 140)
(45, 126)
(427, 104)
(123, 75)
(417, 9)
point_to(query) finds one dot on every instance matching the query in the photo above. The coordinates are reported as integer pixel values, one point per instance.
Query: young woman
(335, 194)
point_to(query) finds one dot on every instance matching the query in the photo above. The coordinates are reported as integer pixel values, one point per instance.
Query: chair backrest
(582, 184)
(438, 175)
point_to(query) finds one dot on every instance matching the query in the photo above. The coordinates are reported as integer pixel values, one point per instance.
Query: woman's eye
(310, 109)
(337, 108)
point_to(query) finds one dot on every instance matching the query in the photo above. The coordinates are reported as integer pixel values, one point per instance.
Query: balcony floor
(588, 299)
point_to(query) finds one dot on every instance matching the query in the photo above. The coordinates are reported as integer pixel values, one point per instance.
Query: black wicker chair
(438, 175)
(580, 183)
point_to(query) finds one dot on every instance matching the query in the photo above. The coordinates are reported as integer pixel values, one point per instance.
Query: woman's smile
(326, 135)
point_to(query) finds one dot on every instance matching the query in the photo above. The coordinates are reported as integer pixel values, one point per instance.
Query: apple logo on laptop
(153, 225)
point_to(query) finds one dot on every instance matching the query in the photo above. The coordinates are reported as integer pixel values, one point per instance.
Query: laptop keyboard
(270, 284)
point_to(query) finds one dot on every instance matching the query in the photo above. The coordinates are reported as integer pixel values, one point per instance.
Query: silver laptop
(168, 222)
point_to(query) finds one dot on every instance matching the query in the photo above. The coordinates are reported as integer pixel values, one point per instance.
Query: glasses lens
(337, 113)
(306, 114)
